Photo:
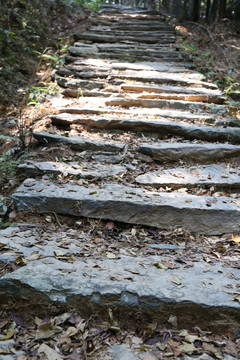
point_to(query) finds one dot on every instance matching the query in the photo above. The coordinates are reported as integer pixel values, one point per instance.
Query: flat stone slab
(113, 112)
(167, 103)
(92, 63)
(161, 126)
(199, 153)
(82, 169)
(78, 83)
(167, 78)
(129, 283)
(78, 93)
(201, 214)
(207, 175)
(78, 142)
(105, 38)
(161, 53)
(171, 89)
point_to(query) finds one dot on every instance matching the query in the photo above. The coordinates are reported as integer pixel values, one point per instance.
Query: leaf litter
(70, 336)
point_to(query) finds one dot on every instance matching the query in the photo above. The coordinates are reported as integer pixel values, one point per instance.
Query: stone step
(184, 97)
(79, 143)
(214, 95)
(202, 175)
(125, 283)
(78, 83)
(153, 66)
(132, 205)
(81, 169)
(159, 126)
(131, 31)
(98, 38)
(112, 114)
(199, 153)
(131, 56)
(149, 76)
(166, 79)
(100, 64)
(128, 46)
(78, 93)
(168, 104)
(126, 26)
(174, 96)
(120, 52)
(152, 113)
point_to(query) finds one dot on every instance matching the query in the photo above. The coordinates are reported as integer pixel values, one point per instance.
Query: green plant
(189, 47)
(37, 94)
(8, 166)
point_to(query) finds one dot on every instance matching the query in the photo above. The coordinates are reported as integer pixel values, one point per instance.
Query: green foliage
(7, 167)
(189, 47)
(37, 94)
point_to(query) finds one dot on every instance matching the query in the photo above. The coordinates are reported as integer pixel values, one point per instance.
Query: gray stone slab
(161, 126)
(132, 205)
(151, 66)
(17, 242)
(212, 94)
(184, 97)
(131, 283)
(78, 93)
(199, 153)
(78, 142)
(83, 50)
(95, 37)
(167, 78)
(151, 75)
(78, 83)
(161, 53)
(81, 169)
(208, 175)
(113, 112)
(169, 104)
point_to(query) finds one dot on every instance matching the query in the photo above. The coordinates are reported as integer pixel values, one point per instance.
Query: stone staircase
(152, 144)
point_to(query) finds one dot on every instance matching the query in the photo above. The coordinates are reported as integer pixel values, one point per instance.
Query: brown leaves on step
(70, 336)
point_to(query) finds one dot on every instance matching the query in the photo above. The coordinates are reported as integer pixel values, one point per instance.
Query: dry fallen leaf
(176, 280)
(110, 255)
(9, 335)
(187, 348)
(48, 352)
(237, 298)
(121, 277)
(58, 253)
(160, 266)
(236, 239)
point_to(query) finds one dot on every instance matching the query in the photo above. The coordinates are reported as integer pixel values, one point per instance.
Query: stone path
(143, 139)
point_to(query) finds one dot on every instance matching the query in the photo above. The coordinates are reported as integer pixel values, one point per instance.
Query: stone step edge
(132, 205)
(164, 127)
(158, 292)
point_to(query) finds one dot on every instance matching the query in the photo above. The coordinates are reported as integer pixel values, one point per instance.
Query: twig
(56, 218)
(211, 37)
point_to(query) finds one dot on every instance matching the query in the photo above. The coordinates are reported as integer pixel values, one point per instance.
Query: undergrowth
(26, 29)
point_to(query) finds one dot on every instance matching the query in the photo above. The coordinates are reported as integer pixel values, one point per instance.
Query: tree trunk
(165, 5)
(176, 8)
(222, 9)
(208, 9)
(195, 10)
(213, 11)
